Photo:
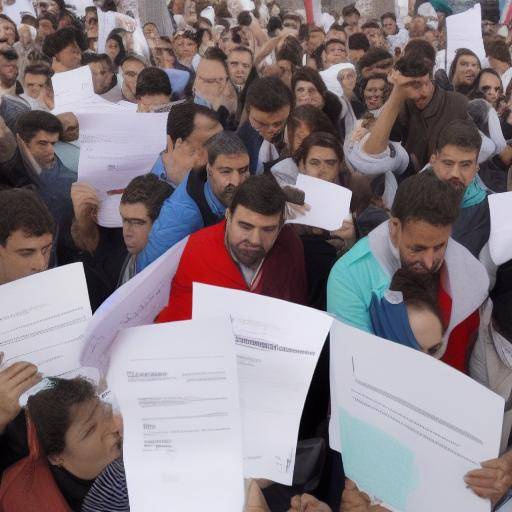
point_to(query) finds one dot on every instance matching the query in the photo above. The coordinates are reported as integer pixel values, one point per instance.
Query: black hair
(413, 67)
(499, 50)
(64, 37)
(358, 41)
(349, 10)
(421, 49)
(22, 209)
(314, 118)
(461, 52)
(321, 139)
(386, 15)
(29, 123)
(260, 194)
(153, 81)
(501, 317)
(180, 121)
(122, 51)
(460, 133)
(268, 94)
(424, 197)
(372, 56)
(39, 68)
(149, 190)
(370, 24)
(51, 410)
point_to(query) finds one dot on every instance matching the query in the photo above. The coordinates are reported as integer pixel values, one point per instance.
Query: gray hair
(224, 143)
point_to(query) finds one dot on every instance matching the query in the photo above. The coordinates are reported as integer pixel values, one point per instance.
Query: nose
(254, 238)
(428, 259)
(40, 262)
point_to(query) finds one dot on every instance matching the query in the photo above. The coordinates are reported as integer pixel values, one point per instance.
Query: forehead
(20, 239)
(133, 210)
(237, 56)
(375, 82)
(236, 160)
(83, 412)
(489, 78)
(467, 59)
(35, 78)
(46, 136)
(419, 232)
(132, 65)
(243, 214)
(452, 152)
(322, 152)
(305, 83)
(210, 66)
(270, 117)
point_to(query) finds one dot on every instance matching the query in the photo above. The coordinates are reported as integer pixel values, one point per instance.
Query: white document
(330, 77)
(277, 346)
(500, 239)
(176, 385)
(137, 302)
(72, 88)
(114, 149)
(409, 427)
(135, 40)
(329, 203)
(16, 9)
(505, 507)
(43, 319)
(465, 31)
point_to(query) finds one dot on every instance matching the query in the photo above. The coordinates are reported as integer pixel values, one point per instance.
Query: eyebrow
(93, 412)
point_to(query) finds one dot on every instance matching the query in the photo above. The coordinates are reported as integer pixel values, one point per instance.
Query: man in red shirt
(251, 250)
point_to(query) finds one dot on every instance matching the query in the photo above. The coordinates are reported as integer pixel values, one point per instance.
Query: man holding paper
(250, 251)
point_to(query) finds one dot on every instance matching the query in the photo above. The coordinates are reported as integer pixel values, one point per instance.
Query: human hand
(353, 500)
(307, 503)
(346, 232)
(294, 211)
(85, 202)
(14, 381)
(403, 86)
(493, 480)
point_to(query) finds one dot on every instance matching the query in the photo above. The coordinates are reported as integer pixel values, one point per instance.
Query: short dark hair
(39, 68)
(321, 139)
(460, 133)
(413, 67)
(51, 410)
(180, 121)
(420, 47)
(260, 194)
(307, 74)
(90, 57)
(22, 209)
(337, 27)
(358, 41)
(49, 17)
(386, 15)
(291, 56)
(268, 94)
(152, 81)
(149, 190)
(499, 50)
(349, 10)
(241, 48)
(31, 122)
(9, 54)
(370, 24)
(372, 56)
(224, 143)
(56, 42)
(313, 117)
(424, 197)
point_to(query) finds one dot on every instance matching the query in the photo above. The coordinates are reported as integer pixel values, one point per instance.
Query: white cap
(209, 14)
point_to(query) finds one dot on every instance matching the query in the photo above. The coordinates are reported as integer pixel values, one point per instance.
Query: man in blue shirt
(201, 198)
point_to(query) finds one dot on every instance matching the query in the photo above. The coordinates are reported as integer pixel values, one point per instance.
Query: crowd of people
(257, 95)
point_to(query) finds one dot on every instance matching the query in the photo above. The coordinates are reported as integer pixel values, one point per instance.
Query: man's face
(455, 165)
(204, 129)
(8, 72)
(102, 76)
(239, 65)
(70, 57)
(355, 55)
(136, 226)
(307, 94)
(352, 20)
(421, 245)
(489, 28)
(421, 91)
(335, 53)
(466, 70)
(373, 35)
(24, 255)
(269, 124)
(149, 102)
(184, 48)
(45, 28)
(226, 174)
(7, 32)
(211, 79)
(292, 26)
(316, 38)
(34, 84)
(389, 26)
(250, 236)
(131, 70)
(321, 163)
(48, 6)
(417, 27)
(42, 148)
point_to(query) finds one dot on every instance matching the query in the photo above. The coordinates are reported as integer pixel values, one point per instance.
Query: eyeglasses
(259, 125)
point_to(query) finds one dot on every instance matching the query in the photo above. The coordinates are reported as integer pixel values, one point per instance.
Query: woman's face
(466, 70)
(374, 93)
(491, 87)
(92, 441)
(307, 94)
(300, 133)
(112, 49)
(321, 163)
(348, 79)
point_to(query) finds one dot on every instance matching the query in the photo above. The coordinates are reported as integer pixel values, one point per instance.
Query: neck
(173, 170)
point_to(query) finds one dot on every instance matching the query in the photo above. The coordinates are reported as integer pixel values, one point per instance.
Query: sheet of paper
(72, 88)
(277, 346)
(16, 9)
(505, 507)
(407, 424)
(500, 239)
(465, 31)
(114, 149)
(330, 77)
(135, 303)
(329, 203)
(135, 40)
(43, 319)
(178, 395)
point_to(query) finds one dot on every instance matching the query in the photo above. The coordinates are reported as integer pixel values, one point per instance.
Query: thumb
(350, 486)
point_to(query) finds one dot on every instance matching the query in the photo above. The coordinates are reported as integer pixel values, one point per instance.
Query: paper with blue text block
(409, 427)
